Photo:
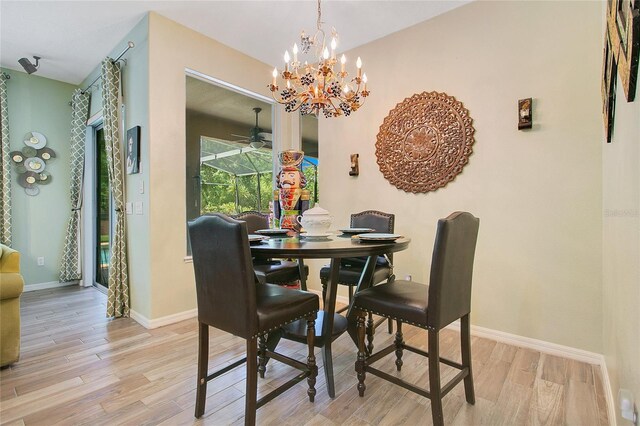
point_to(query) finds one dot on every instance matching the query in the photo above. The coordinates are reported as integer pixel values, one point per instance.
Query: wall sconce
(355, 169)
(525, 113)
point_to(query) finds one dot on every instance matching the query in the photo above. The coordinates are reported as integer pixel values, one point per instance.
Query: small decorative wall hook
(355, 169)
(525, 113)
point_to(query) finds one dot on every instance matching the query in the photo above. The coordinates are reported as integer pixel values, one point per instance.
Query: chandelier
(316, 87)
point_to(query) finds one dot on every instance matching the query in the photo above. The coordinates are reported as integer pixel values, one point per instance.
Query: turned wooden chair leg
(251, 392)
(361, 360)
(262, 355)
(311, 358)
(370, 330)
(399, 342)
(203, 368)
(434, 379)
(465, 347)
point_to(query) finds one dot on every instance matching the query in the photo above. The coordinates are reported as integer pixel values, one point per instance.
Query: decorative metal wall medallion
(31, 163)
(424, 142)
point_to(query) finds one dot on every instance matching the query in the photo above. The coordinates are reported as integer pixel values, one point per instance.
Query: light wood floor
(77, 367)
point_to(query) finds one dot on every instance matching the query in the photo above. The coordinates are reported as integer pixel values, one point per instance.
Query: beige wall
(172, 48)
(621, 248)
(537, 193)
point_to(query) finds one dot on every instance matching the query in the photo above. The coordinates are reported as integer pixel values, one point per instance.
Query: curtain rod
(130, 45)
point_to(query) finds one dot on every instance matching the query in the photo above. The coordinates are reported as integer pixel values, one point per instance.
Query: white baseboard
(535, 344)
(50, 284)
(525, 342)
(162, 321)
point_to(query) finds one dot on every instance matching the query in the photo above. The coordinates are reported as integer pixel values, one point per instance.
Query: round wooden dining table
(329, 325)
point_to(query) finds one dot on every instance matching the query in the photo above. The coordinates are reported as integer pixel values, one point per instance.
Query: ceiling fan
(257, 138)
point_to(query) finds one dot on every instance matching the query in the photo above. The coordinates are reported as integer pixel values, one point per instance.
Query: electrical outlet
(129, 208)
(41, 261)
(628, 406)
(137, 207)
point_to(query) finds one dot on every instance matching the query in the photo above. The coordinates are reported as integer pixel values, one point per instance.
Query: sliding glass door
(103, 208)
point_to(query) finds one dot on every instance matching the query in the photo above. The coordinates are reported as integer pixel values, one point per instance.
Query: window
(230, 158)
(309, 135)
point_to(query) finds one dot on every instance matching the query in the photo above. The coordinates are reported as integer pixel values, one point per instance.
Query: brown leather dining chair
(232, 300)
(433, 307)
(351, 268)
(281, 272)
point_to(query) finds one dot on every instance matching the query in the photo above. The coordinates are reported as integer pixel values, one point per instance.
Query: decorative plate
(17, 157)
(44, 178)
(374, 236)
(46, 154)
(27, 151)
(35, 140)
(424, 142)
(273, 232)
(253, 238)
(34, 164)
(355, 231)
(322, 236)
(33, 191)
(27, 179)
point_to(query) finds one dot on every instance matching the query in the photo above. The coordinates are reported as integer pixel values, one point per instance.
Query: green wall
(39, 222)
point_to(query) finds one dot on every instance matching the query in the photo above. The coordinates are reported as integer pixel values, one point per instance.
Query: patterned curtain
(5, 164)
(118, 296)
(70, 269)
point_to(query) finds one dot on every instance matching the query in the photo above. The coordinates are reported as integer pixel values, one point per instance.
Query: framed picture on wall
(608, 88)
(623, 23)
(133, 150)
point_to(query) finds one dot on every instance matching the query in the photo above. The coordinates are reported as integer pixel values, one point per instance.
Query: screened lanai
(236, 177)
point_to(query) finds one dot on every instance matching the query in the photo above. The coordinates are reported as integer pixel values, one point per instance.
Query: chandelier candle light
(312, 89)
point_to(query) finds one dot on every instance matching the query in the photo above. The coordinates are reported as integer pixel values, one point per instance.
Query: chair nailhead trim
(315, 312)
(394, 318)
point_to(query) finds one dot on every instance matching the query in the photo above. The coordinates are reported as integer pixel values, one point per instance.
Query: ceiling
(205, 98)
(72, 37)
(210, 99)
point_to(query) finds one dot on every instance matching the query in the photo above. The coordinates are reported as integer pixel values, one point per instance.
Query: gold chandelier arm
(275, 98)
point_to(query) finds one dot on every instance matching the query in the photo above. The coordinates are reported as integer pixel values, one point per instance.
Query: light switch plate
(138, 207)
(141, 187)
(128, 207)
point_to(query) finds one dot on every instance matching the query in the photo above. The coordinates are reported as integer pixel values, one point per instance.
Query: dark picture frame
(608, 87)
(132, 145)
(525, 113)
(623, 23)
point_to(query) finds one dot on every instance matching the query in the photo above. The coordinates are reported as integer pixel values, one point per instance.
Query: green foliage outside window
(311, 176)
(218, 192)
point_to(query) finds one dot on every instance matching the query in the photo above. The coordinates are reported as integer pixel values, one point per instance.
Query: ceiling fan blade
(266, 136)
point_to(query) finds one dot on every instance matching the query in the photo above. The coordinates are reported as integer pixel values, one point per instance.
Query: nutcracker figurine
(290, 198)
